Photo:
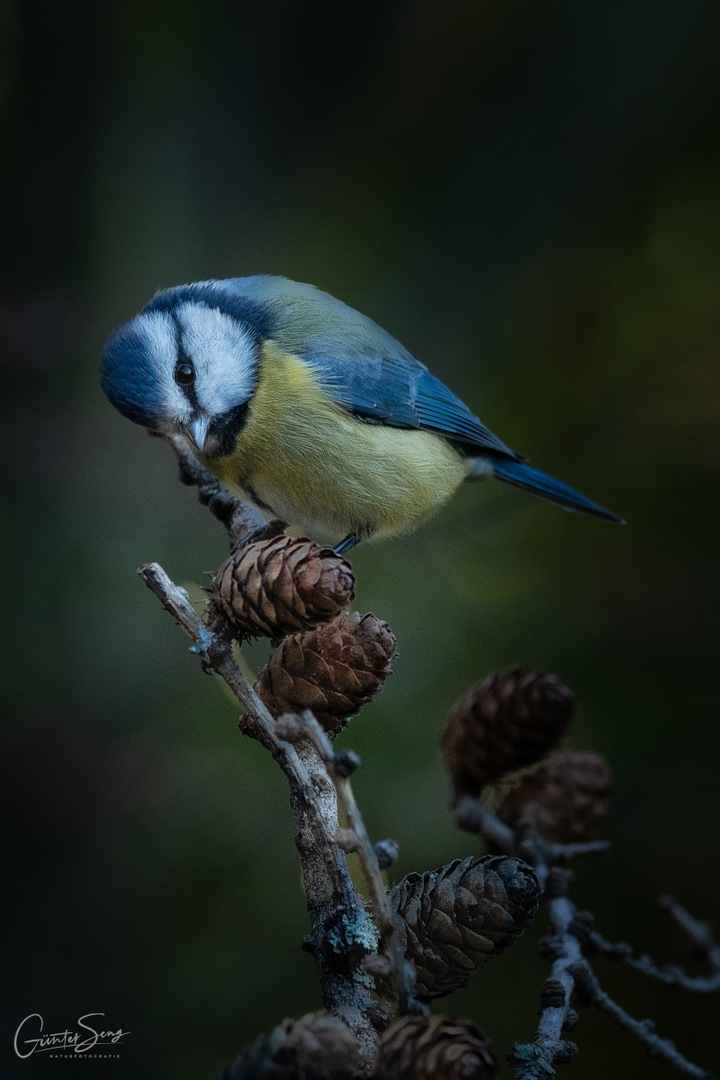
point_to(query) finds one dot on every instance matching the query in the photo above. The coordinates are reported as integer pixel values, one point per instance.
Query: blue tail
(547, 487)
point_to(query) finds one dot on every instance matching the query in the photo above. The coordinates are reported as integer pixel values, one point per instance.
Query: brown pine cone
(456, 918)
(435, 1047)
(274, 587)
(333, 670)
(562, 800)
(317, 1047)
(503, 723)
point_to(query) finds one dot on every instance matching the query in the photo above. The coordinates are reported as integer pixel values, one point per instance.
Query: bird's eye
(184, 373)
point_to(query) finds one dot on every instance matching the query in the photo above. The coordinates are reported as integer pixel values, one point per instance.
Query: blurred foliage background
(528, 196)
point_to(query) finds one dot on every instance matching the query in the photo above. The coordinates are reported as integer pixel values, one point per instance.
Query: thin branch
(703, 944)
(560, 853)
(700, 933)
(535, 1061)
(367, 855)
(340, 930)
(670, 975)
(643, 1030)
(564, 944)
(572, 971)
(243, 522)
(473, 817)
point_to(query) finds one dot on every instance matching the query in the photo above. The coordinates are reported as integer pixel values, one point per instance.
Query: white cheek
(223, 354)
(159, 328)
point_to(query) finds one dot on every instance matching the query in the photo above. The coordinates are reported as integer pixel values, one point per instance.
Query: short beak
(197, 430)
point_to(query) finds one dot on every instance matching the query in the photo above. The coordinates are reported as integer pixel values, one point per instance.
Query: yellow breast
(317, 466)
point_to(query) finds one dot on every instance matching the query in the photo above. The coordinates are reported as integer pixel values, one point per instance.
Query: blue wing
(401, 392)
(361, 366)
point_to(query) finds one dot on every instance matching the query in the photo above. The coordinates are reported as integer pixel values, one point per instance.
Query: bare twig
(571, 971)
(701, 937)
(700, 933)
(535, 1061)
(670, 975)
(386, 921)
(341, 933)
(564, 943)
(473, 817)
(643, 1030)
(243, 522)
(557, 853)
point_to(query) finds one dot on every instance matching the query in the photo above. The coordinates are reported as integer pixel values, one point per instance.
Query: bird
(307, 408)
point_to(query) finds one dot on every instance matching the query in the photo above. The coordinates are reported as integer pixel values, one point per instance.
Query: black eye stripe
(184, 373)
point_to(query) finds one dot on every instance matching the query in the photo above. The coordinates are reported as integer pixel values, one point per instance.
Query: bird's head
(188, 365)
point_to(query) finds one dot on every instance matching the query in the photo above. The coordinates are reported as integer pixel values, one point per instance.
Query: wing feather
(361, 366)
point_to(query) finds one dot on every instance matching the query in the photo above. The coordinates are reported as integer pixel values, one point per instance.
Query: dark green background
(526, 194)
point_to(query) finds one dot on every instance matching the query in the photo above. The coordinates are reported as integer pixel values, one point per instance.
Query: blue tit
(307, 408)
